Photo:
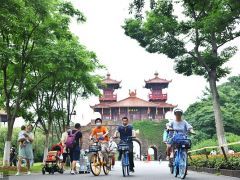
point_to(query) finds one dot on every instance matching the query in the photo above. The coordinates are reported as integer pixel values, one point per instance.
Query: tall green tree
(201, 115)
(198, 42)
(23, 25)
(69, 63)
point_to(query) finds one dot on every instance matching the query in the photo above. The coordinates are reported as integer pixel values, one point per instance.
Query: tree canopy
(201, 116)
(41, 61)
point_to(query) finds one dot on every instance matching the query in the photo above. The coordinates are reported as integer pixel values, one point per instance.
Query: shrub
(217, 161)
(213, 142)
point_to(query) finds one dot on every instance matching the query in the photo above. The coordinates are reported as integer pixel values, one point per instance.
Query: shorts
(104, 146)
(75, 154)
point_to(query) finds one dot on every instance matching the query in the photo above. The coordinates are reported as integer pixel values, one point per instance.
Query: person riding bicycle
(179, 124)
(112, 147)
(100, 133)
(125, 131)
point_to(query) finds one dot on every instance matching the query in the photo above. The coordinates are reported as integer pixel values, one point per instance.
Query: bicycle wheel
(95, 165)
(175, 164)
(183, 164)
(171, 165)
(106, 167)
(127, 170)
(110, 163)
(124, 170)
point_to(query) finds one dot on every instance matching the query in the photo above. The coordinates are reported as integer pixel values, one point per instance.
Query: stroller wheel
(43, 170)
(61, 171)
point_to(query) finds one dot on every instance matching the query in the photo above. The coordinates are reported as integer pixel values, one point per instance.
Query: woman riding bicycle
(100, 133)
(179, 125)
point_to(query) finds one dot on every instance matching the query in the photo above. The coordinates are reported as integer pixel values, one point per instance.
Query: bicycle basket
(94, 148)
(182, 141)
(123, 147)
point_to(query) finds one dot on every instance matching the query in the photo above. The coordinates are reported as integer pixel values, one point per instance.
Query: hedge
(216, 161)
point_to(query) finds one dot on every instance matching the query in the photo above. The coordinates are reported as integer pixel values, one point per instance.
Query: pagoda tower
(109, 86)
(156, 86)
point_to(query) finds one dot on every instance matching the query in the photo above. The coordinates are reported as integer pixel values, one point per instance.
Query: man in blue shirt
(125, 131)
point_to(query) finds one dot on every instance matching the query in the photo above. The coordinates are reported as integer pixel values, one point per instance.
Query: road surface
(143, 171)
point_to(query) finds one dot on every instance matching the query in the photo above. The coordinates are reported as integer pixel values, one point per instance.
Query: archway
(137, 149)
(152, 151)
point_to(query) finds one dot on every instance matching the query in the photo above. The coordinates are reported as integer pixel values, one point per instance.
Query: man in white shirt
(113, 149)
(65, 150)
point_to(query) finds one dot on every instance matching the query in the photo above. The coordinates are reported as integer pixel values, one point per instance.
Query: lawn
(11, 170)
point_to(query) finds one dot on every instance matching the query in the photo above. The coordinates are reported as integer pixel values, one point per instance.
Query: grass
(11, 170)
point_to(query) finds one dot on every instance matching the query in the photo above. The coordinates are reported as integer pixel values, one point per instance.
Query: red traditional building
(133, 107)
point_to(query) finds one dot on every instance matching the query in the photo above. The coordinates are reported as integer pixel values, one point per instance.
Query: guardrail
(213, 147)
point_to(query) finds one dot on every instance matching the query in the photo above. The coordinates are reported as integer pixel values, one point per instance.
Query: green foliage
(38, 144)
(42, 61)
(160, 30)
(231, 138)
(152, 132)
(217, 162)
(201, 116)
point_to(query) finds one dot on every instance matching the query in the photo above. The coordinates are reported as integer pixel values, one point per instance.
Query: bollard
(148, 157)
(224, 153)
(206, 153)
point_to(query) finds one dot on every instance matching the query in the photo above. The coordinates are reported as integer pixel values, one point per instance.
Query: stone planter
(227, 172)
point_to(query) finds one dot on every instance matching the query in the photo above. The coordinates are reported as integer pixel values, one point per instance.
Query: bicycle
(124, 148)
(97, 160)
(110, 158)
(179, 163)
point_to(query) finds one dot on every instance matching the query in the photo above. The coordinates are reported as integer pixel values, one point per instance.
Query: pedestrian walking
(74, 143)
(25, 140)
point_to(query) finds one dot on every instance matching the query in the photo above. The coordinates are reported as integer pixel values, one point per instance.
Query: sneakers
(73, 172)
(28, 173)
(132, 170)
(168, 158)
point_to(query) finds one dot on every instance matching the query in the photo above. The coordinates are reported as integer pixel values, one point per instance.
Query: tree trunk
(217, 111)
(46, 146)
(7, 147)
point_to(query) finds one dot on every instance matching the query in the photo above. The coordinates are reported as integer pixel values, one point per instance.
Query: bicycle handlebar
(177, 131)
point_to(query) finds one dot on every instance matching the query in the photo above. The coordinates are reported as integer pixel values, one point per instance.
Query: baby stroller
(84, 165)
(54, 158)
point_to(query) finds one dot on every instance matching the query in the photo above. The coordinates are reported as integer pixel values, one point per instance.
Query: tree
(201, 115)
(68, 62)
(24, 24)
(198, 43)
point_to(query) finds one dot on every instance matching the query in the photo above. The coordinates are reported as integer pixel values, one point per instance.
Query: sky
(127, 61)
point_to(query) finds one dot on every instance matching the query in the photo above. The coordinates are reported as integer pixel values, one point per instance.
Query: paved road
(144, 171)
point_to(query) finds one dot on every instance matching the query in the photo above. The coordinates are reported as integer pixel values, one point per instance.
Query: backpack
(70, 142)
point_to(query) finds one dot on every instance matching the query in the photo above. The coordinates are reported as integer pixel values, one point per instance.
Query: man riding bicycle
(100, 133)
(177, 124)
(125, 131)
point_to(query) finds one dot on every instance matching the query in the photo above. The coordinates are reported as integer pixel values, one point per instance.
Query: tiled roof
(156, 79)
(108, 80)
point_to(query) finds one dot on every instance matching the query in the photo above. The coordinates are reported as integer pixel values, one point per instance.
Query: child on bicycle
(179, 125)
(100, 133)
